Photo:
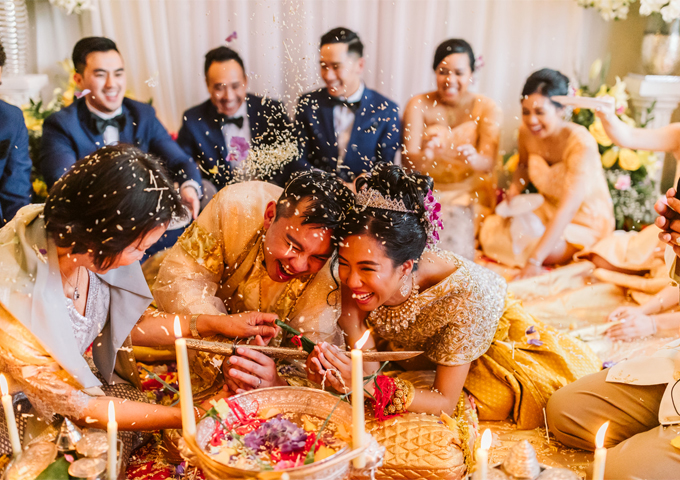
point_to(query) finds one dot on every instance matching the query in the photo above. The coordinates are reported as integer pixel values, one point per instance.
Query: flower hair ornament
(371, 198)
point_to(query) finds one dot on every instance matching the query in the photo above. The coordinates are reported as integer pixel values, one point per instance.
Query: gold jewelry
(403, 396)
(398, 317)
(404, 290)
(192, 327)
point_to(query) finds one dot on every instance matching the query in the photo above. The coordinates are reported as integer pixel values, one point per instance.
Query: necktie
(238, 121)
(353, 106)
(99, 124)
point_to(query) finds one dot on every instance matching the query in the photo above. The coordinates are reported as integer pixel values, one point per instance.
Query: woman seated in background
(452, 134)
(562, 161)
(70, 279)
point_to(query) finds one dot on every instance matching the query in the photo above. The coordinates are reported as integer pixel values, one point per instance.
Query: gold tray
(287, 399)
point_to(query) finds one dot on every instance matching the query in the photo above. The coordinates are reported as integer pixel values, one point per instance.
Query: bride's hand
(606, 113)
(469, 154)
(328, 360)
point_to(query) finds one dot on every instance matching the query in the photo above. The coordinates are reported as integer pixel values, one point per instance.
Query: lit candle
(112, 434)
(482, 456)
(9, 417)
(186, 399)
(600, 453)
(358, 420)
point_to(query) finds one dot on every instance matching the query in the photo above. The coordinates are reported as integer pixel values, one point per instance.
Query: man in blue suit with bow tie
(103, 116)
(208, 129)
(15, 164)
(345, 128)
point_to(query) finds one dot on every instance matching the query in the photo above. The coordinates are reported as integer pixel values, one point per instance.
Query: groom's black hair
(346, 36)
(329, 199)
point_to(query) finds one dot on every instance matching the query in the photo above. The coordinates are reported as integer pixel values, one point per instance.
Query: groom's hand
(249, 324)
(669, 220)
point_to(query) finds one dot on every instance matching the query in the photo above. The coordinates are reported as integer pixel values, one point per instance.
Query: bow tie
(238, 121)
(353, 106)
(99, 124)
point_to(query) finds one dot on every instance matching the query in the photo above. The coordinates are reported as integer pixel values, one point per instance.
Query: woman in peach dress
(561, 159)
(452, 135)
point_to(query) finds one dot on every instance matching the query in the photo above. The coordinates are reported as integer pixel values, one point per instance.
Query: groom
(257, 247)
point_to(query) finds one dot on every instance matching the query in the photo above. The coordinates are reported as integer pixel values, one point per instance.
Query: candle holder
(69, 436)
(93, 443)
(31, 461)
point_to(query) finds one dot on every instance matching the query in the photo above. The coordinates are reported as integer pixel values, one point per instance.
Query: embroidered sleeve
(472, 310)
(203, 247)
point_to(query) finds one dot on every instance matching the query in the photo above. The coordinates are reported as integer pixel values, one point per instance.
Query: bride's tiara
(369, 197)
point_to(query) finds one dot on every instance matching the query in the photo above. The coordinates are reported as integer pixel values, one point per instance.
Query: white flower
(73, 6)
(609, 9)
(647, 7)
(671, 11)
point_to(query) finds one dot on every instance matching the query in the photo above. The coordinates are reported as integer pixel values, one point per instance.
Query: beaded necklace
(398, 317)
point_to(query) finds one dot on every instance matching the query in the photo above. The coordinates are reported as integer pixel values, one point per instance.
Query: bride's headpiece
(371, 198)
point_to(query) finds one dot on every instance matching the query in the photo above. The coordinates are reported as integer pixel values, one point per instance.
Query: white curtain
(163, 43)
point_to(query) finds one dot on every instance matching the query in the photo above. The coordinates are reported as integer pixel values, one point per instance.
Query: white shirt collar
(103, 115)
(358, 95)
(242, 110)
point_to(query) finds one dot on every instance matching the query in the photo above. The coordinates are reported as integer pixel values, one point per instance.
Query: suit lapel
(215, 129)
(325, 116)
(131, 123)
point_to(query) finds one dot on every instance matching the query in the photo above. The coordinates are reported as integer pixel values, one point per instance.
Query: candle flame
(362, 341)
(599, 438)
(112, 412)
(177, 327)
(486, 439)
(3, 385)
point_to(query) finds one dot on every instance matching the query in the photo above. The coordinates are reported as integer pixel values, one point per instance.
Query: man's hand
(248, 324)
(250, 369)
(189, 197)
(328, 365)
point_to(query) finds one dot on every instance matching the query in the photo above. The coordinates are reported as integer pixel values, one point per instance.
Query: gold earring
(404, 290)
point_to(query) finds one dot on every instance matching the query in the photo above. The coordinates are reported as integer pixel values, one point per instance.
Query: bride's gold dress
(469, 318)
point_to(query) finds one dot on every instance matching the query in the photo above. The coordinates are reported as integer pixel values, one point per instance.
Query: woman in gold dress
(474, 336)
(561, 159)
(452, 134)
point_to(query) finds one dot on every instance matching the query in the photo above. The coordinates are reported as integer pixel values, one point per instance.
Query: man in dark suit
(208, 128)
(345, 128)
(15, 164)
(103, 116)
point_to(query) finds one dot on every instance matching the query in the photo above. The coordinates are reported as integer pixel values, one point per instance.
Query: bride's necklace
(76, 294)
(398, 317)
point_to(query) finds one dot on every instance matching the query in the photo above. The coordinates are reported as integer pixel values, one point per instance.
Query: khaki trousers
(639, 448)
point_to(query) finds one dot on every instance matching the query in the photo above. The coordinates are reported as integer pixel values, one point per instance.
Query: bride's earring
(404, 289)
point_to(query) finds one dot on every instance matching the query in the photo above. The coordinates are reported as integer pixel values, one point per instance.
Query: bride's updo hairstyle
(403, 235)
(546, 82)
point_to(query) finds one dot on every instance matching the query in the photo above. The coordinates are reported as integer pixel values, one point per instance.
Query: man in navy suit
(103, 116)
(15, 164)
(345, 128)
(207, 129)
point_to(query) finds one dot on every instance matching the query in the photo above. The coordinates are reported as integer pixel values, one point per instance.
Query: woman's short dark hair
(88, 45)
(449, 47)
(546, 82)
(108, 201)
(403, 235)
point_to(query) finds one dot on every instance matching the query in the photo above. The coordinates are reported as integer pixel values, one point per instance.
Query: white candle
(358, 419)
(112, 435)
(600, 453)
(9, 417)
(482, 456)
(186, 399)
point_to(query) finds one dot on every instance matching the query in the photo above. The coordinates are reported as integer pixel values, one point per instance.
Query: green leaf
(57, 470)
(307, 344)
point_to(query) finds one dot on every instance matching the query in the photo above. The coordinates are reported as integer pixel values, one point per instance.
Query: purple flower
(608, 364)
(179, 469)
(530, 330)
(535, 342)
(231, 37)
(433, 215)
(43, 251)
(277, 432)
(239, 149)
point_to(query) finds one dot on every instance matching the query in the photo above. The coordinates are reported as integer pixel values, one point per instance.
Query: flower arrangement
(629, 173)
(73, 6)
(269, 439)
(618, 9)
(609, 9)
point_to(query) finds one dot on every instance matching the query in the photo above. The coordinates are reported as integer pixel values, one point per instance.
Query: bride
(412, 297)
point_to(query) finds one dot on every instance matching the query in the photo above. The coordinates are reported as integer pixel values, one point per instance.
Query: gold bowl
(287, 400)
